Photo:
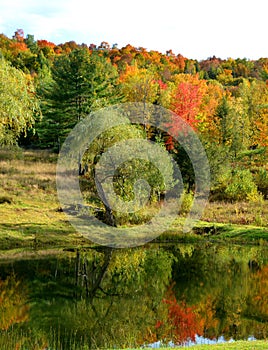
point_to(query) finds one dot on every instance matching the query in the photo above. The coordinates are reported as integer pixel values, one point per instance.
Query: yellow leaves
(139, 85)
(128, 260)
(17, 103)
(206, 315)
(226, 77)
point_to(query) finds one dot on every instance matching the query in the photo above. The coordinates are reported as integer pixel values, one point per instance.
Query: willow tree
(18, 103)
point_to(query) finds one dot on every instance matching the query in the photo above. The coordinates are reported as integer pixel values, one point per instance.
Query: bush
(187, 202)
(241, 187)
(236, 185)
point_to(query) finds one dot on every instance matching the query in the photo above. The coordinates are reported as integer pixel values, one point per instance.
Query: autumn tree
(139, 85)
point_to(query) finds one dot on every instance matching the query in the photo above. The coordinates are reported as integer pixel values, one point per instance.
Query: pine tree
(81, 82)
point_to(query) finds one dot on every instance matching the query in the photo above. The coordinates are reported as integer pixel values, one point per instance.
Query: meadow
(31, 215)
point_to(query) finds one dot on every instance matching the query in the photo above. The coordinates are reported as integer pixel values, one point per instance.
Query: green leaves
(81, 82)
(18, 104)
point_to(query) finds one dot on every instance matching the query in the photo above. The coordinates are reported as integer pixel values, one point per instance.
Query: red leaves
(179, 323)
(182, 321)
(158, 324)
(18, 42)
(186, 103)
(162, 85)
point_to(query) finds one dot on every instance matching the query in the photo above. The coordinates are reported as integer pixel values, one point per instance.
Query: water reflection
(105, 298)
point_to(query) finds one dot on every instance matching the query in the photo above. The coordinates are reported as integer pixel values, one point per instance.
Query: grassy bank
(29, 208)
(239, 345)
(30, 214)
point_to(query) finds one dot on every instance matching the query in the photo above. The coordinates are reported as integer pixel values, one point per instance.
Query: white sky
(195, 28)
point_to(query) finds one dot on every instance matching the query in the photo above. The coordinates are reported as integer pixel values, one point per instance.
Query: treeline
(47, 88)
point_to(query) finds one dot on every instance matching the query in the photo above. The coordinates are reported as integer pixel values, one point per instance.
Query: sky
(197, 29)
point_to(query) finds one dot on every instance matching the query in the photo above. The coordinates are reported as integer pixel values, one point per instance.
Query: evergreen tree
(81, 82)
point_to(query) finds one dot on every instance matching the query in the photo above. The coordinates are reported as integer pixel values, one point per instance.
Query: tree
(139, 85)
(123, 172)
(81, 82)
(186, 103)
(18, 103)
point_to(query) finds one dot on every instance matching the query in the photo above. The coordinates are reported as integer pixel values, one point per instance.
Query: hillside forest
(47, 88)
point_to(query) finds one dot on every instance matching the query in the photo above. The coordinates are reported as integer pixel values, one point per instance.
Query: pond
(104, 298)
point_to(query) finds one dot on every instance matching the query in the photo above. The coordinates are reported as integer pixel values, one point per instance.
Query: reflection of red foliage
(179, 322)
(182, 320)
(158, 324)
(169, 143)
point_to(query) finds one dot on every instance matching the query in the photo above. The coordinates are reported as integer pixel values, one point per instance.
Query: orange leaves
(19, 35)
(208, 322)
(195, 101)
(16, 47)
(260, 296)
(18, 43)
(45, 43)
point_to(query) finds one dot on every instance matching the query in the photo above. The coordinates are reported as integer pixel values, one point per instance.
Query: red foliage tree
(185, 104)
(18, 43)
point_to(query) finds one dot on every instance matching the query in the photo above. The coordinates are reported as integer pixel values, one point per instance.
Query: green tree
(113, 146)
(18, 103)
(81, 82)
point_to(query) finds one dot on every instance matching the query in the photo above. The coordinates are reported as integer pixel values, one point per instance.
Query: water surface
(103, 298)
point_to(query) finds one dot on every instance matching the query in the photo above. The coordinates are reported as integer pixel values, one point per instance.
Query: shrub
(241, 187)
(187, 202)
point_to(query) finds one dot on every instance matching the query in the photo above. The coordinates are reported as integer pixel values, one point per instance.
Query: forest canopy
(46, 88)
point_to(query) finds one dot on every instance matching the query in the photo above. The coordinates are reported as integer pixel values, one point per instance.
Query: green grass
(238, 345)
(30, 215)
(216, 232)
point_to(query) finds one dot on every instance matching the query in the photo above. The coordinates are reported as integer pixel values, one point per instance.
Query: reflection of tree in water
(103, 297)
(13, 308)
(222, 281)
(89, 274)
(117, 293)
